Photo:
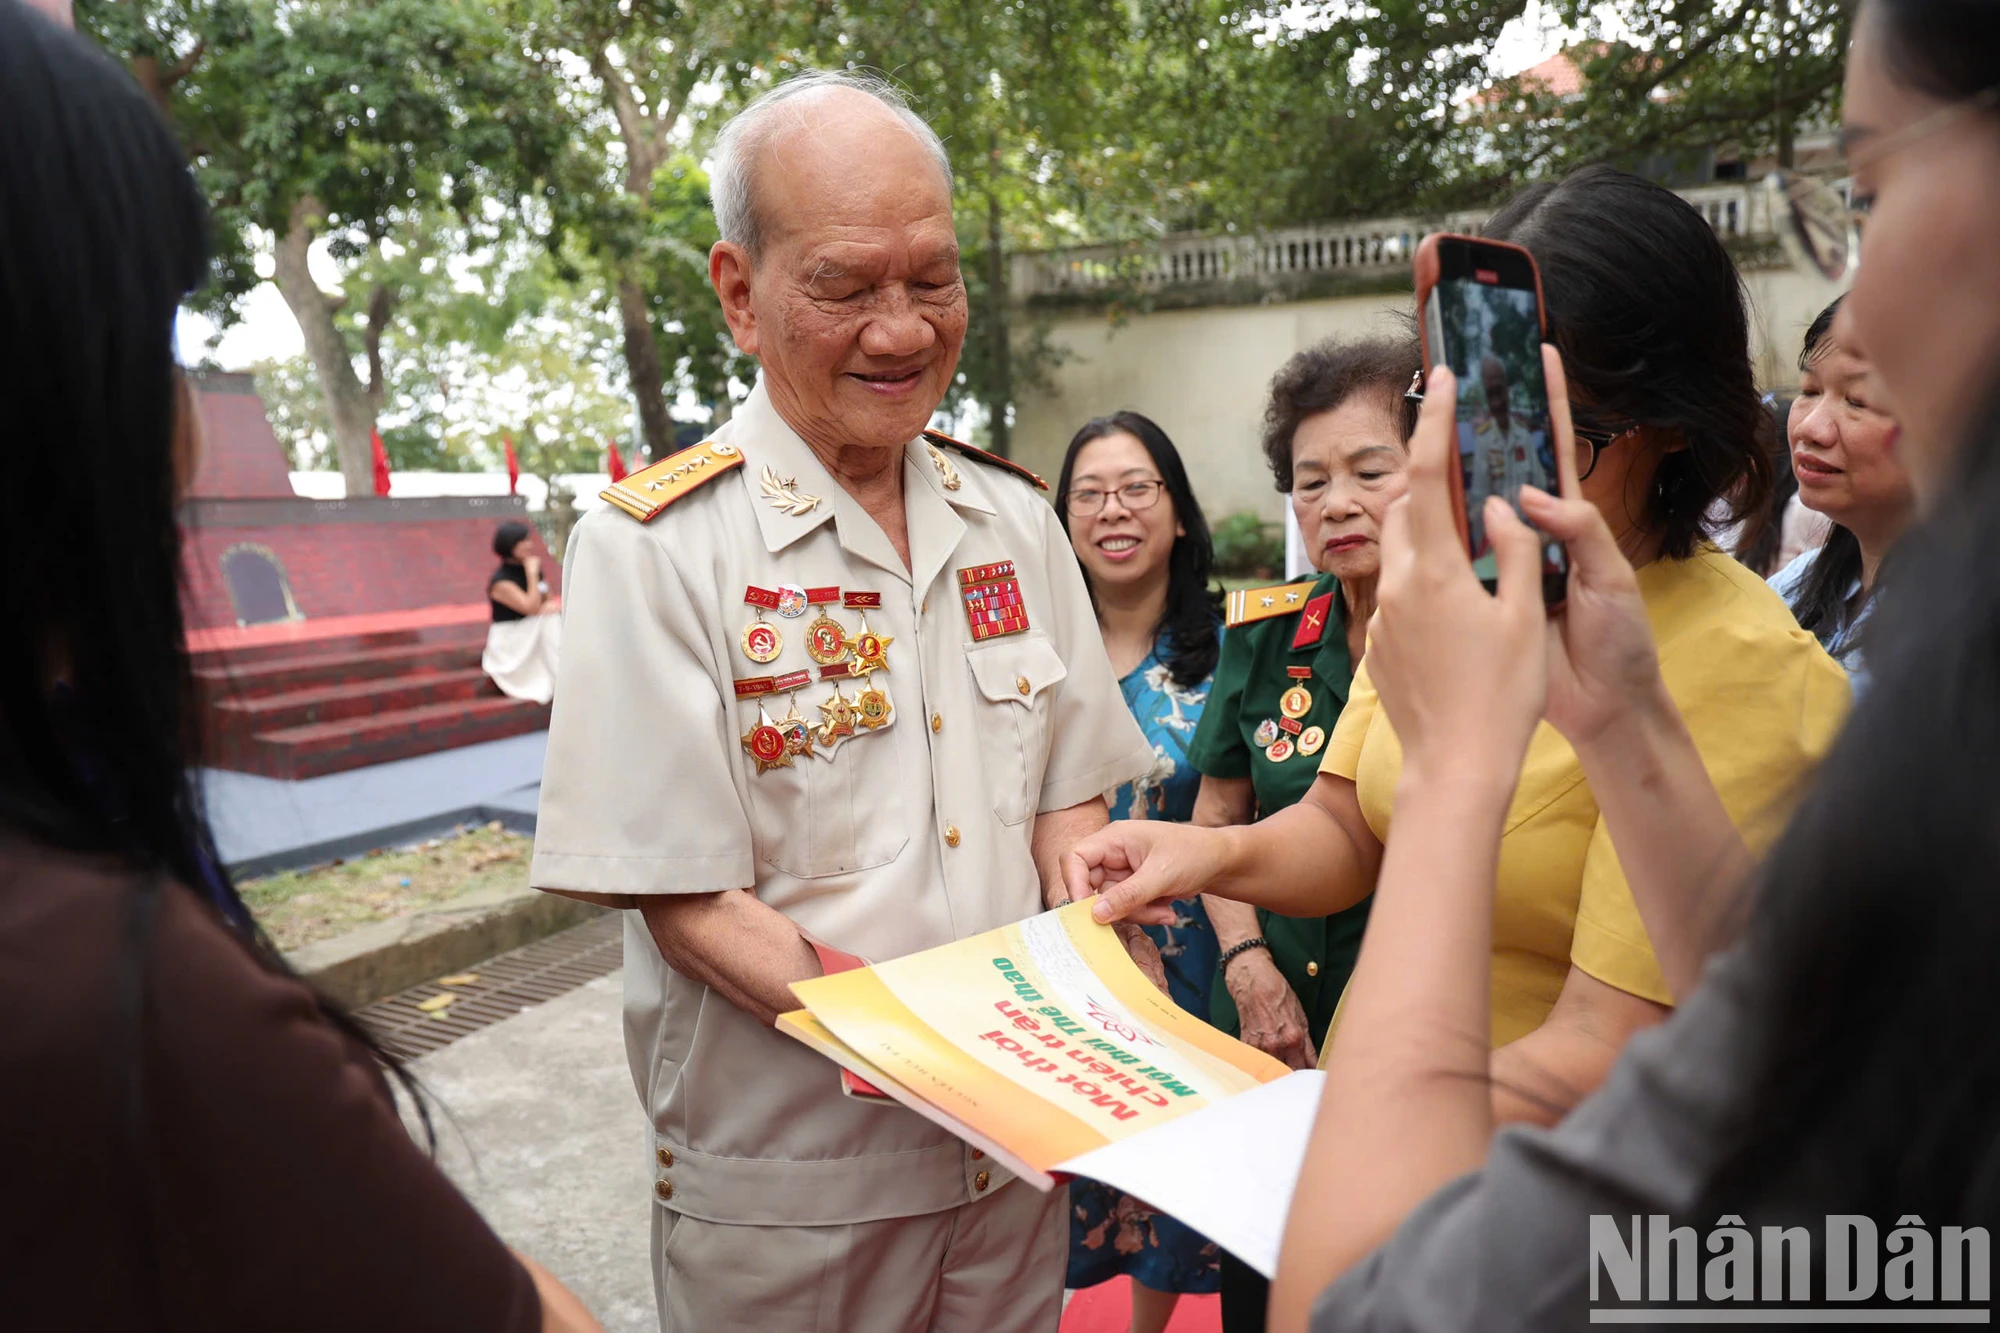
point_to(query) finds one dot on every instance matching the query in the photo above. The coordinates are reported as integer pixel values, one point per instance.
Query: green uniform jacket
(1315, 954)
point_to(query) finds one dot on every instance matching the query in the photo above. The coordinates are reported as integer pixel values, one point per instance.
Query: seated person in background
(1844, 453)
(526, 636)
(202, 1142)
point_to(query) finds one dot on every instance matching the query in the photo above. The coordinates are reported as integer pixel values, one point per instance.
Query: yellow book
(1042, 1044)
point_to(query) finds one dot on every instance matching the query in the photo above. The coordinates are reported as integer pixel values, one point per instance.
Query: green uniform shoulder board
(975, 452)
(1246, 606)
(646, 492)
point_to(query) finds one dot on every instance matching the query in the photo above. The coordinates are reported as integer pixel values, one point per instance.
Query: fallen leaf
(462, 979)
(435, 1003)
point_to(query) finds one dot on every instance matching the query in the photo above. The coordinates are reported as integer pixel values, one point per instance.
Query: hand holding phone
(1480, 307)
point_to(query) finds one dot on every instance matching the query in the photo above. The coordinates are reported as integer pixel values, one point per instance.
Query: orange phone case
(1425, 267)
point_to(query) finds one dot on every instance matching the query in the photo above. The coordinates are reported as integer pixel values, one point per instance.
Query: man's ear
(729, 273)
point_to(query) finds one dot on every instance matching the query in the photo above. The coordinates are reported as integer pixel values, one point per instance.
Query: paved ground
(544, 1133)
(264, 824)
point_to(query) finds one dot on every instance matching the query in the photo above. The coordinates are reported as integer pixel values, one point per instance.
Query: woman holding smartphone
(1838, 1056)
(1632, 276)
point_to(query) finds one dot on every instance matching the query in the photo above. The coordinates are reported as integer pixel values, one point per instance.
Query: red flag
(513, 466)
(613, 463)
(381, 463)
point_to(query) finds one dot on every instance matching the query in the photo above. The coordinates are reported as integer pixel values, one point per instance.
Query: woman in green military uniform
(1336, 435)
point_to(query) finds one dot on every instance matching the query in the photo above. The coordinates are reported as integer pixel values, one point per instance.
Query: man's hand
(1140, 866)
(1273, 1020)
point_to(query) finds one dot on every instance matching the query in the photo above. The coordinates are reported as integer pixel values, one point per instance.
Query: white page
(1227, 1170)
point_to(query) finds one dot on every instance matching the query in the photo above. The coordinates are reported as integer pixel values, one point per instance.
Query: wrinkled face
(1494, 377)
(1117, 544)
(1349, 465)
(1844, 445)
(854, 304)
(1925, 306)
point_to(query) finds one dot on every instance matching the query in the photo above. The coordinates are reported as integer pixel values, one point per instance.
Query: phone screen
(1482, 321)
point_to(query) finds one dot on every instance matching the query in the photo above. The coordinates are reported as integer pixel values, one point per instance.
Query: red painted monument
(332, 634)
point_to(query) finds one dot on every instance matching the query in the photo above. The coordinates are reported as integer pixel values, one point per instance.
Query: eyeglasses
(1591, 441)
(1817, 222)
(1133, 495)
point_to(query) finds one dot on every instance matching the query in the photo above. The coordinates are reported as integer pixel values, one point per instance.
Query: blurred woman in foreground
(197, 1140)
(1838, 1055)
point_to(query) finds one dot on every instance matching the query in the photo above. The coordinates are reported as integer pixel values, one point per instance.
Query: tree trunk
(642, 362)
(350, 407)
(1000, 389)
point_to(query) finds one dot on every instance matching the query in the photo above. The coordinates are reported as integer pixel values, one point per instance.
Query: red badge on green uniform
(1312, 621)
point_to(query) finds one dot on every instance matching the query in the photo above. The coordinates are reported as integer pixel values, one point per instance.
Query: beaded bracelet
(1222, 964)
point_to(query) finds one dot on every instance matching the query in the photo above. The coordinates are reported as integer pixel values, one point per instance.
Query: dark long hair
(1873, 1071)
(102, 233)
(1821, 602)
(1650, 317)
(1193, 618)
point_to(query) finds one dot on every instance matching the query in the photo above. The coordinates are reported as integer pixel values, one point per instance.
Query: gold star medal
(837, 718)
(766, 744)
(1298, 700)
(871, 650)
(872, 710)
(761, 641)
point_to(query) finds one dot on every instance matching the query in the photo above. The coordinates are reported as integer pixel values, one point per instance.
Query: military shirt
(896, 837)
(1315, 954)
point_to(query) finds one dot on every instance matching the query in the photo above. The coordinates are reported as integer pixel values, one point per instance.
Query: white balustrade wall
(1735, 209)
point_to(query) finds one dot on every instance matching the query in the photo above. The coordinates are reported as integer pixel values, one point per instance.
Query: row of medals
(775, 742)
(1282, 737)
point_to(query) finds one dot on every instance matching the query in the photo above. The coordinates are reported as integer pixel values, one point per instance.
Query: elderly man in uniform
(832, 689)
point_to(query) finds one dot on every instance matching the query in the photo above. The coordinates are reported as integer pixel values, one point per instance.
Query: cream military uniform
(1502, 462)
(781, 1203)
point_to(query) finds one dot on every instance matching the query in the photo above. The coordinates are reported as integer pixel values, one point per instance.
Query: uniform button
(666, 1156)
(951, 835)
(664, 1188)
(978, 1156)
(1312, 969)
(937, 722)
(979, 1182)
(1021, 684)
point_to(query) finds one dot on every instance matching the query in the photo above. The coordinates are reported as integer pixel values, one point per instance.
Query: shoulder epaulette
(1246, 606)
(646, 492)
(973, 451)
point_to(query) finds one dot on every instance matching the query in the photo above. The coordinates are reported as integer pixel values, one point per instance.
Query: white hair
(729, 181)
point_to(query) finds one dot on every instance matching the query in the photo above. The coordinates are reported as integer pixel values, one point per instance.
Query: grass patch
(300, 906)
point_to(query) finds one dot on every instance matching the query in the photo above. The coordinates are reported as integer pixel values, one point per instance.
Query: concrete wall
(1202, 374)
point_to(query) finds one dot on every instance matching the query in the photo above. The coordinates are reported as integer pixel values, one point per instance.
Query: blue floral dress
(1111, 1232)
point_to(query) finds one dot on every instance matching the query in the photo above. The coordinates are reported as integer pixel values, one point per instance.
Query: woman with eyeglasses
(1138, 531)
(1649, 315)
(1833, 1069)
(1843, 450)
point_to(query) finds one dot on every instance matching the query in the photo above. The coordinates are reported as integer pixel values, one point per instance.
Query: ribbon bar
(981, 573)
(836, 670)
(764, 597)
(821, 596)
(1291, 725)
(1299, 672)
(791, 680)
(861, 601)
(750, 687)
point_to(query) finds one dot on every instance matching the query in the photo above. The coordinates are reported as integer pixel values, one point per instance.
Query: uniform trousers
(993, 1266)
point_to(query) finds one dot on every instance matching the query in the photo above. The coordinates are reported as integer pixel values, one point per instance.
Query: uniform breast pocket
(1013, 677)
(832, 812)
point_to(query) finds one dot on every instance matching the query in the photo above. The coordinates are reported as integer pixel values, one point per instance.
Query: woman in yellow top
(1647, 312)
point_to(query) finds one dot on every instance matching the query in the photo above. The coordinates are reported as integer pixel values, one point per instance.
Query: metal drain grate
(508, 983)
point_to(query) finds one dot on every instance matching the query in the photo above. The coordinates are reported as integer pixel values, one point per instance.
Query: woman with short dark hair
(198, 1140)
(1644, 303)
(524, 640)
(1335, 431)
(1844, 453)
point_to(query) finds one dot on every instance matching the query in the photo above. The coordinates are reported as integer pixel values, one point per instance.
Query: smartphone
(1479, 303)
